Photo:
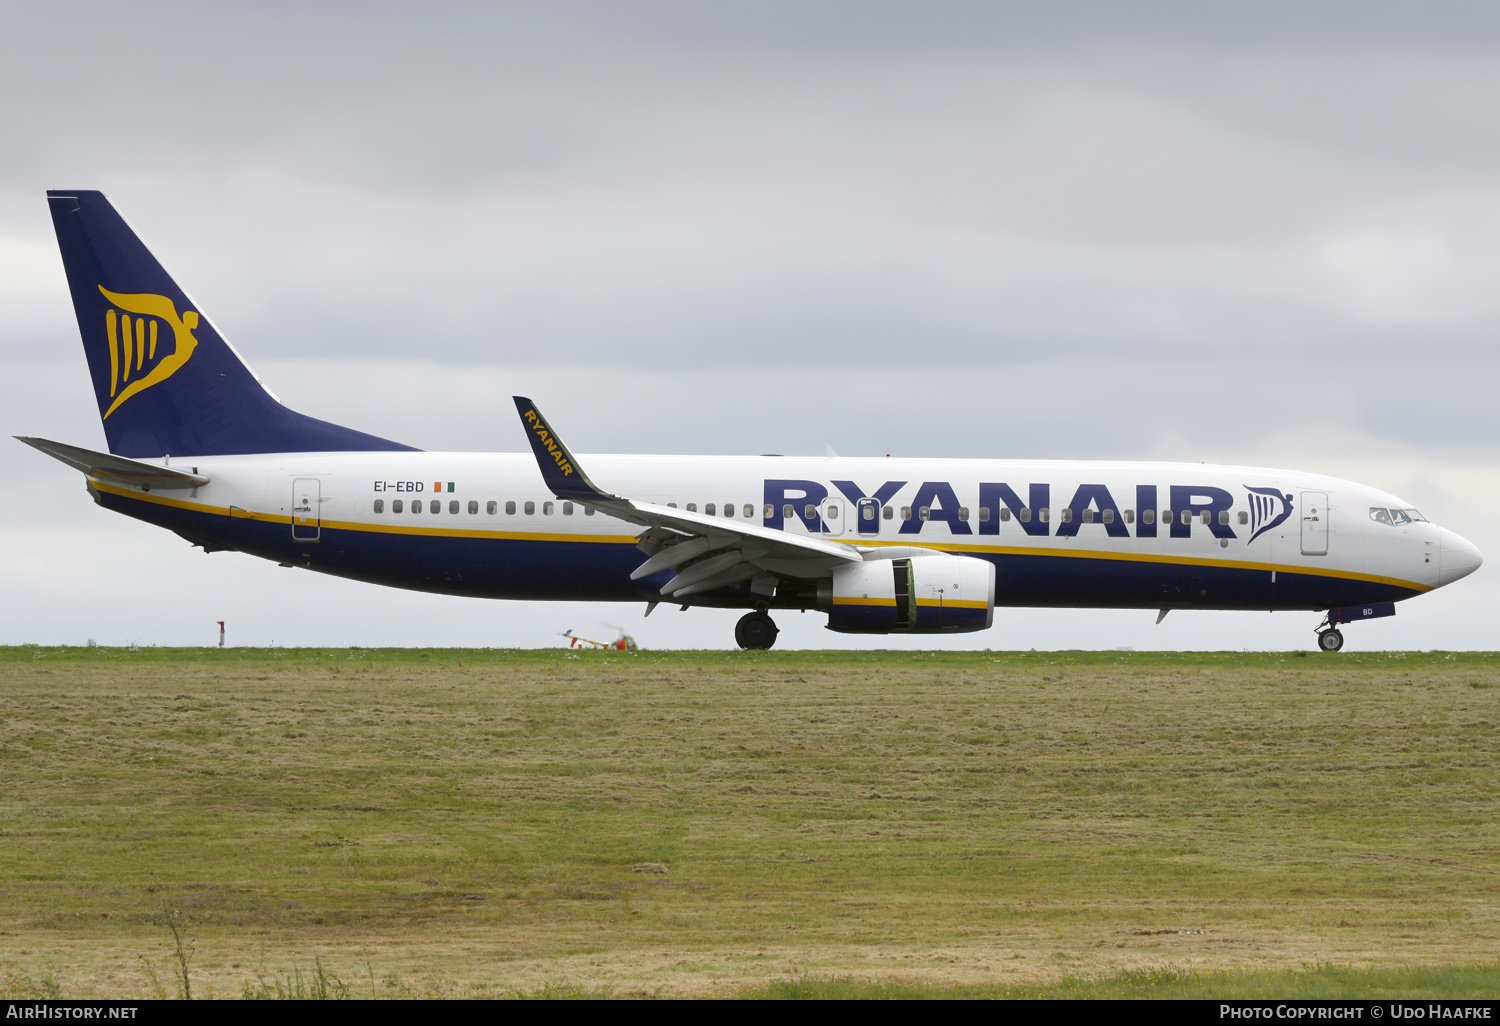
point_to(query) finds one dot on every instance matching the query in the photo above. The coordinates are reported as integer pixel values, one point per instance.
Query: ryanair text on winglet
(540, 427)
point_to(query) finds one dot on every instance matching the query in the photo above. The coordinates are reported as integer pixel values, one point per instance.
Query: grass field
(407, 822)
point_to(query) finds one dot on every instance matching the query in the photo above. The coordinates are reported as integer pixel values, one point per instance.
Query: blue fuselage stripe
(515, 568)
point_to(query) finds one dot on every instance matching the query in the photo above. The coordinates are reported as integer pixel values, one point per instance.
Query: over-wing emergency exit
(196, 444)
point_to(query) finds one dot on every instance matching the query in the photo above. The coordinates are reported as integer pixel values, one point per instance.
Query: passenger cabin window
(729, 509)
(1025, 515)
(1005, 513)
(984, 514)
(453, 507)
(810, 512)
(1204, 517)
(787, 512)
(510, 507)
(768, 512)
(1109, 516)
(1187, 516)
(1087, 516)
(1044, 515)
(588, 511)
(749, 511)
(1166, 516)
(905, 512)
(867, 513)
(833, 511)
(1148, 516)
(692, 507)
(567, 509)
(491, 506)
(396, 506)
(1130, 516)
(1223, 516)
(924, 512)
(547, 508)
(1067, 516)
(1380, 516)
(380, 506)
(886, 512)
(1244, 517)
(436, 506)
(963, 513)
(709, 509)
(530, 507)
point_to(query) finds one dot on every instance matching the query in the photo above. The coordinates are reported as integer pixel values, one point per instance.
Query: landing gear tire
(755, 631)
(1330, 640)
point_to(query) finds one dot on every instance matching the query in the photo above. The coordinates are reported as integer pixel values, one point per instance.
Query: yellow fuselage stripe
(277, 518)
(1143, 557)
(616, 539)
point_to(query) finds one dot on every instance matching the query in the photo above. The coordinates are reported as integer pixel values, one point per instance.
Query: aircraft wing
(119, 468)
(707, 552)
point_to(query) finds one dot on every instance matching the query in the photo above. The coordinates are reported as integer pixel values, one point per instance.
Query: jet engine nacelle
(921, 595)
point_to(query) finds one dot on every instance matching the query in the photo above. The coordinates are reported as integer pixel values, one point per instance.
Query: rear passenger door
(307, 495)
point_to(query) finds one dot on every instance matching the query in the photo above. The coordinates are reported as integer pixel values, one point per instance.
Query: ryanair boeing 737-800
(199, 446)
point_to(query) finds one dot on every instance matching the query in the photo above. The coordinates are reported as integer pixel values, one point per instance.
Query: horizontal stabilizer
(102, 464)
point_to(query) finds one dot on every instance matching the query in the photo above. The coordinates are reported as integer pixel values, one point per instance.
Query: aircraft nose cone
(1457, 558)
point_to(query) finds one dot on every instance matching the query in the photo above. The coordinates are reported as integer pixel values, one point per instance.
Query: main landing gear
(755, 630)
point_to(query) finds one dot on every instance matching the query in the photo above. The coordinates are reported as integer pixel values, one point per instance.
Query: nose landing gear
(1329, 638)
(755, 631)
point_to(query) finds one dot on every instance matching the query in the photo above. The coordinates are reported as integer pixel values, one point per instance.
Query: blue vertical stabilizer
(167, 383)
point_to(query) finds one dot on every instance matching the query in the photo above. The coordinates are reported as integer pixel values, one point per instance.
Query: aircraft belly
(1080, 582)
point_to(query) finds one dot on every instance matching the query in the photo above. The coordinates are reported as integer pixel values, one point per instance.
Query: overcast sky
(1094, 230)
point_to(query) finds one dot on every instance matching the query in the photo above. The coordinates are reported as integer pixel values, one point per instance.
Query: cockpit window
(1394, 517)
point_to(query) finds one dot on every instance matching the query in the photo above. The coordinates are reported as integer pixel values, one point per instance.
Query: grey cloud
(1182, 231)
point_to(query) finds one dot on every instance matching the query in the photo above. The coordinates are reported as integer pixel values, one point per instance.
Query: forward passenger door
(1315, 523)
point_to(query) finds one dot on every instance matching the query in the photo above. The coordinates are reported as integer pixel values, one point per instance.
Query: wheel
(755, 631)
(1330, 640)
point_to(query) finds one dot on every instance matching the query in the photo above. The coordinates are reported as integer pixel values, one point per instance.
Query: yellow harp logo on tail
(133, 340)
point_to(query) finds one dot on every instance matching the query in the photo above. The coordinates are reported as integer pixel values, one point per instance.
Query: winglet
(559, 469)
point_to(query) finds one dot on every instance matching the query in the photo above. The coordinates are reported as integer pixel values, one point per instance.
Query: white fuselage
(1154, 535)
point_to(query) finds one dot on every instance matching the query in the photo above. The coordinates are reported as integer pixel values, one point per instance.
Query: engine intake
(922, 595)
